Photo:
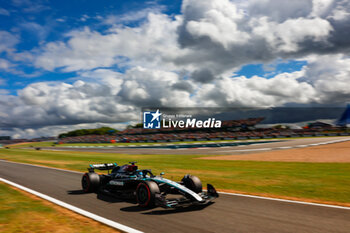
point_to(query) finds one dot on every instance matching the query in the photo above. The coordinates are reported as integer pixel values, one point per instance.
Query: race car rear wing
(102, 166)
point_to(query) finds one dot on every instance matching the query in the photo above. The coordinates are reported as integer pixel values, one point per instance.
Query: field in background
(22, 212)
(319, 182)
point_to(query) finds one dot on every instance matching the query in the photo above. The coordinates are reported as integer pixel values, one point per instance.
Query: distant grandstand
(230, 130)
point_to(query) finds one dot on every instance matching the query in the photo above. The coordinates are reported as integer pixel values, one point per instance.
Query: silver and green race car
(129, 182)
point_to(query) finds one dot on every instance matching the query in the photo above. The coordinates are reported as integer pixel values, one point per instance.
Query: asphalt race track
(227, 214)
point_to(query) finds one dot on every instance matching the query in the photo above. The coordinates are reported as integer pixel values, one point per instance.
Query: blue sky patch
(270, 70)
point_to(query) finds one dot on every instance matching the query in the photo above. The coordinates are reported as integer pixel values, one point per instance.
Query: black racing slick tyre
(146, 193)
(90, 182)
(193, 183)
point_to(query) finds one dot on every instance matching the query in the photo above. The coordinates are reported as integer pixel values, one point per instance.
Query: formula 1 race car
(149, 190)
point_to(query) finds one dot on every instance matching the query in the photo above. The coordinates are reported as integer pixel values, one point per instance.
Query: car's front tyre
(90, 182)
(193, 183)
(146, 193)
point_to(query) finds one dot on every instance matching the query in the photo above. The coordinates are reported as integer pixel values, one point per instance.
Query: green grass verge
(21, 213)
(31, 144)
(327, 182)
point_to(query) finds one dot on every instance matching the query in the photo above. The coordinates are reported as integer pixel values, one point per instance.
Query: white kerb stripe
(75, 209)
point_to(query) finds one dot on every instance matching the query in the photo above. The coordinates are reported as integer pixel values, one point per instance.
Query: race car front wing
(207, 197)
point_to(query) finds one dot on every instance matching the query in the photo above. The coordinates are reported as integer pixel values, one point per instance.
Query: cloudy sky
(83, 63)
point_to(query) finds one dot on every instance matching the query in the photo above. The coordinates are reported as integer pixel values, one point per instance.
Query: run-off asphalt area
(227, 214)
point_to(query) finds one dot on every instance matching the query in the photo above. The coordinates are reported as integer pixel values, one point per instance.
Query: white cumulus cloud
(185, 60)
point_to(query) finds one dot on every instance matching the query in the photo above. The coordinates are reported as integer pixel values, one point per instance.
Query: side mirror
(162, 173)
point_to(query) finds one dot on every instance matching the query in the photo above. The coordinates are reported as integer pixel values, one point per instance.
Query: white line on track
(259, 149)
(73, 208)
(286, 200)
(285, 147)
(289, 147)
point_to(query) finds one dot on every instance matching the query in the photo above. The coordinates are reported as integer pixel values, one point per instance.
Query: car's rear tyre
(193, 183)
(90, 182)
(146, 193)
